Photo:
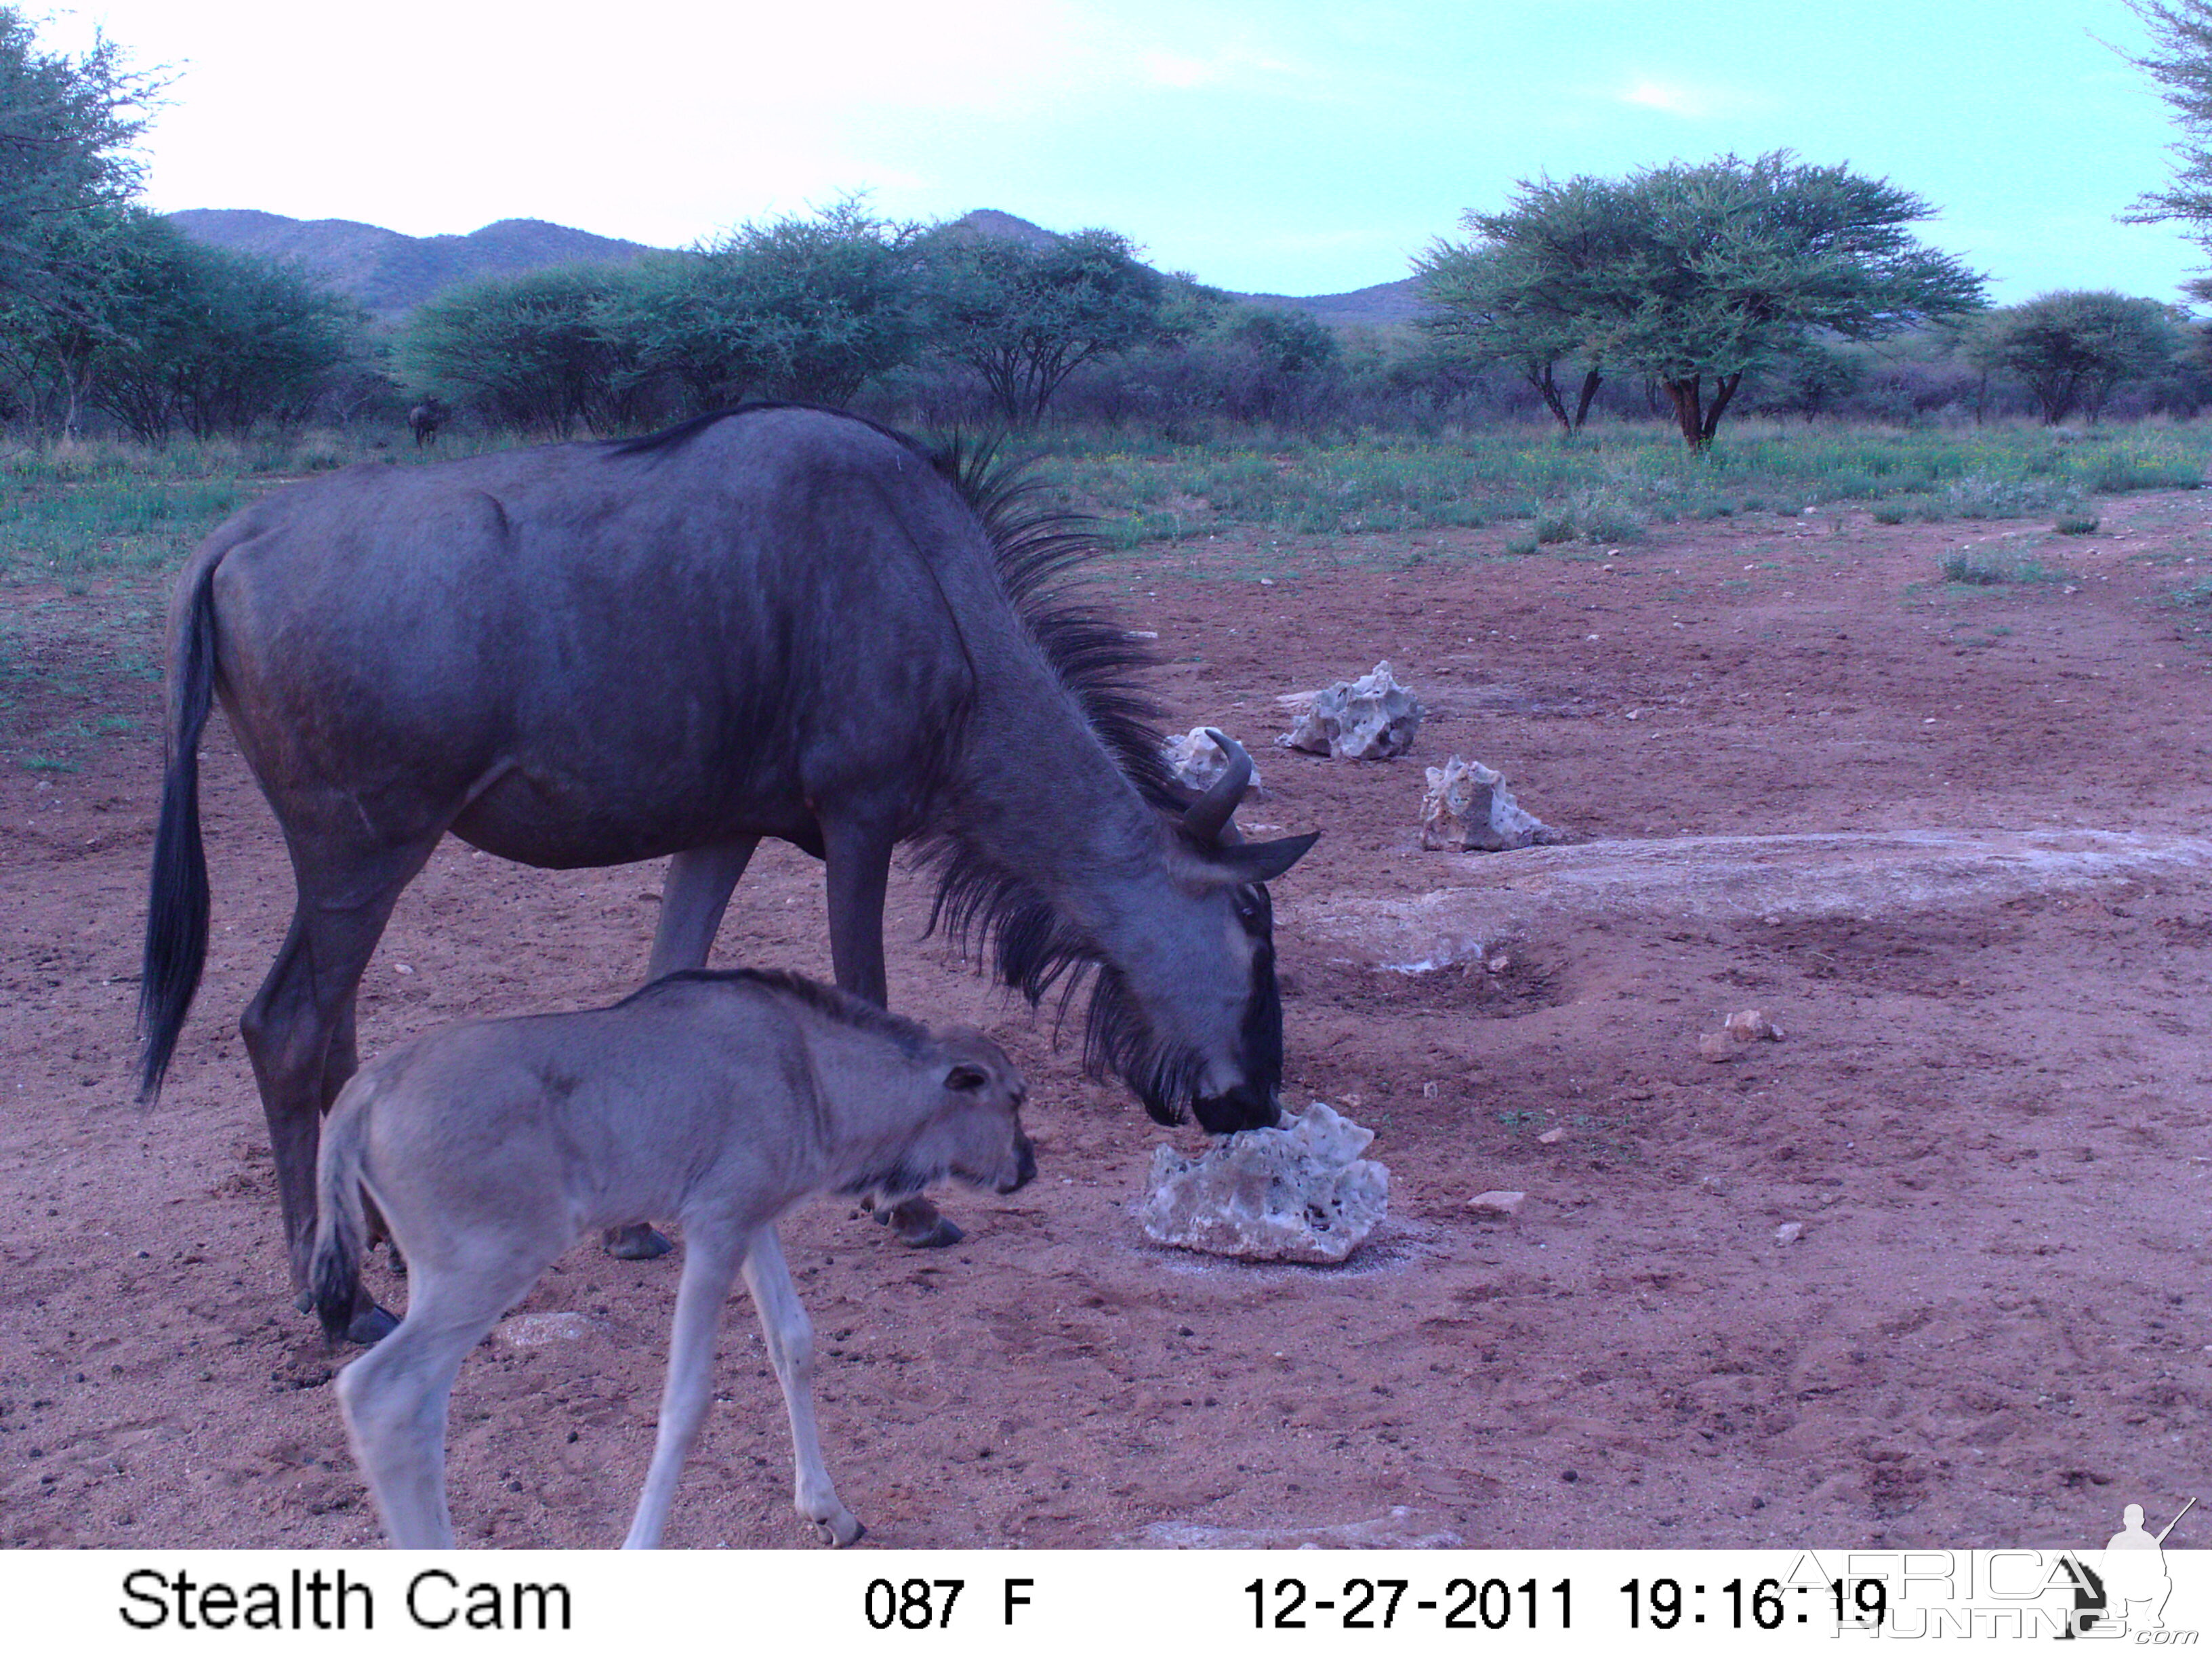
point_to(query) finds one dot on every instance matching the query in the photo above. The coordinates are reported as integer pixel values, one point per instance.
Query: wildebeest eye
(1247, 900)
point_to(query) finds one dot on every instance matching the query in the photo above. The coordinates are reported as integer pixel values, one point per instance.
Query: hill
(390, 273)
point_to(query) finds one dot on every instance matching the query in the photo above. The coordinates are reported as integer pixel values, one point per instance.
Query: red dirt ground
(1989, 1113)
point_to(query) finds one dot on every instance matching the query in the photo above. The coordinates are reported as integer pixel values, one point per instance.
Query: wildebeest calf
(721, 1098)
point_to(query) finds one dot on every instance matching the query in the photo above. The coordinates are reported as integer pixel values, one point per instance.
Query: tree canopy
(1027, 318)
(1692, 275)
(2073, 350)
(2180, 60)
(67, 125)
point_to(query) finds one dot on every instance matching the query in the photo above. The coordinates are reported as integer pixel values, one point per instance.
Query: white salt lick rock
(1301, 1193)
(1371, 718)
(1468, 809)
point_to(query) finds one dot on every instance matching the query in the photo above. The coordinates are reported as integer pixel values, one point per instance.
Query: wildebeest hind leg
(692, 901)
(293, 1030)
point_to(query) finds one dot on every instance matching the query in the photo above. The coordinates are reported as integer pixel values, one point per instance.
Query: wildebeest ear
(966, 1077)
(1248, 861)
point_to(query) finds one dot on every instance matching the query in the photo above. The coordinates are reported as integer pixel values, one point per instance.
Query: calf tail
(177, 901)
(334, 1271)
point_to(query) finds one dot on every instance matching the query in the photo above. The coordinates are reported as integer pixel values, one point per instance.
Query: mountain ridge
(391, 273)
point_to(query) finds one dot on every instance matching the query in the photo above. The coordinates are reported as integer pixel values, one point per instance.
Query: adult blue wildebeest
(775, 621)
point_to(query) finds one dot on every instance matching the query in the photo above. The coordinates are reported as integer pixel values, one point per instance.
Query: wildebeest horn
(1208, 816)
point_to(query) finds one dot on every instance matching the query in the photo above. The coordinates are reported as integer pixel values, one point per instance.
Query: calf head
(975, 1133)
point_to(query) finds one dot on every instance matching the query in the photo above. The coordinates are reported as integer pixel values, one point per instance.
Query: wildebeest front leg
(298, 1031)
(790, 1340)
(692, 900)
(710, 1265)
(859, 856)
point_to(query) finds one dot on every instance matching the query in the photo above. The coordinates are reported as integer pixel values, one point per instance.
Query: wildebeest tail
(177, 897)
(341, 1229)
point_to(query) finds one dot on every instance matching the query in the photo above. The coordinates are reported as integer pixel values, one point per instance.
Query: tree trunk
(1539, 375)
(1723, 392)
(1591, 381)
(1687, 397)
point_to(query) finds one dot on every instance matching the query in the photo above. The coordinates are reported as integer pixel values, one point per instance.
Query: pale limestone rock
(1301, 1193)
(1719, 1047)
(1753, 1025)
(1553, 1137)
(1790, 1232)
(1468, 809)
(1371, 718)
(1497, 1204)
(1196, 760)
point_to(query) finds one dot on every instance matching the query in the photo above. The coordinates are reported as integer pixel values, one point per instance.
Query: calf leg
(790, 1340)
(710, 1264)
(692, 901)
(394, 1396)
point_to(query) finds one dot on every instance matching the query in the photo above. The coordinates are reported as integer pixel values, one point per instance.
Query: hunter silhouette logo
(2127, 1590)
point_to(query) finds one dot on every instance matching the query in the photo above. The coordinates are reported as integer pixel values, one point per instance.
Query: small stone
(1301, 1193)
(1790, 1232)
(1553, 1137)
(1497, 1204)
(1371, 718)
(536, 1330)
(1499, 963)
(1719, 1047)
(1468, 809)
(1752, 1025)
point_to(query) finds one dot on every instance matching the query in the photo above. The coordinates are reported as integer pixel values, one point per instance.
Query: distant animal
(424, 420)
(774, 621)
(721, 1098)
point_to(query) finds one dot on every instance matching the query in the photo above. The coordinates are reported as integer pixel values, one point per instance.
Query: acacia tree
(530, 351)
(2072, 349)
(1523, 290)
(1027, 318)
(2180, 60)
(806, 308)
(67, 125)
(1696, 275)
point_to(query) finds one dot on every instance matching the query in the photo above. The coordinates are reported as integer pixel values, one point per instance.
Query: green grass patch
(1609, 484)
(1979, 566)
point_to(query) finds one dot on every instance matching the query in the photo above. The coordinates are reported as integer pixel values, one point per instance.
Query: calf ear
(966, 1077)
(1244, 862)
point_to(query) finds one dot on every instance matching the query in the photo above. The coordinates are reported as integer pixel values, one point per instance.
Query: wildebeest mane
(991, 912)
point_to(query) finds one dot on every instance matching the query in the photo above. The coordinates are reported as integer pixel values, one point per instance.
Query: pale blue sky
(1303, 147)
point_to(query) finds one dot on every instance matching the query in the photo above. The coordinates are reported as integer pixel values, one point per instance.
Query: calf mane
(841, 1007)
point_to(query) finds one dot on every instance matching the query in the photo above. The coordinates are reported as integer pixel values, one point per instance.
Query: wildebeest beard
(1035, 949)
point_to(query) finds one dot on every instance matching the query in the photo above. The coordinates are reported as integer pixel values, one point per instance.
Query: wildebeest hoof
(920, 1225)
(639, 1242)
(839, 1531)
(935, 1236)
(371, 1326)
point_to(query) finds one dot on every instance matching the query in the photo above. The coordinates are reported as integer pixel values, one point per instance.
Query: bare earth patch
(1954, 842)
